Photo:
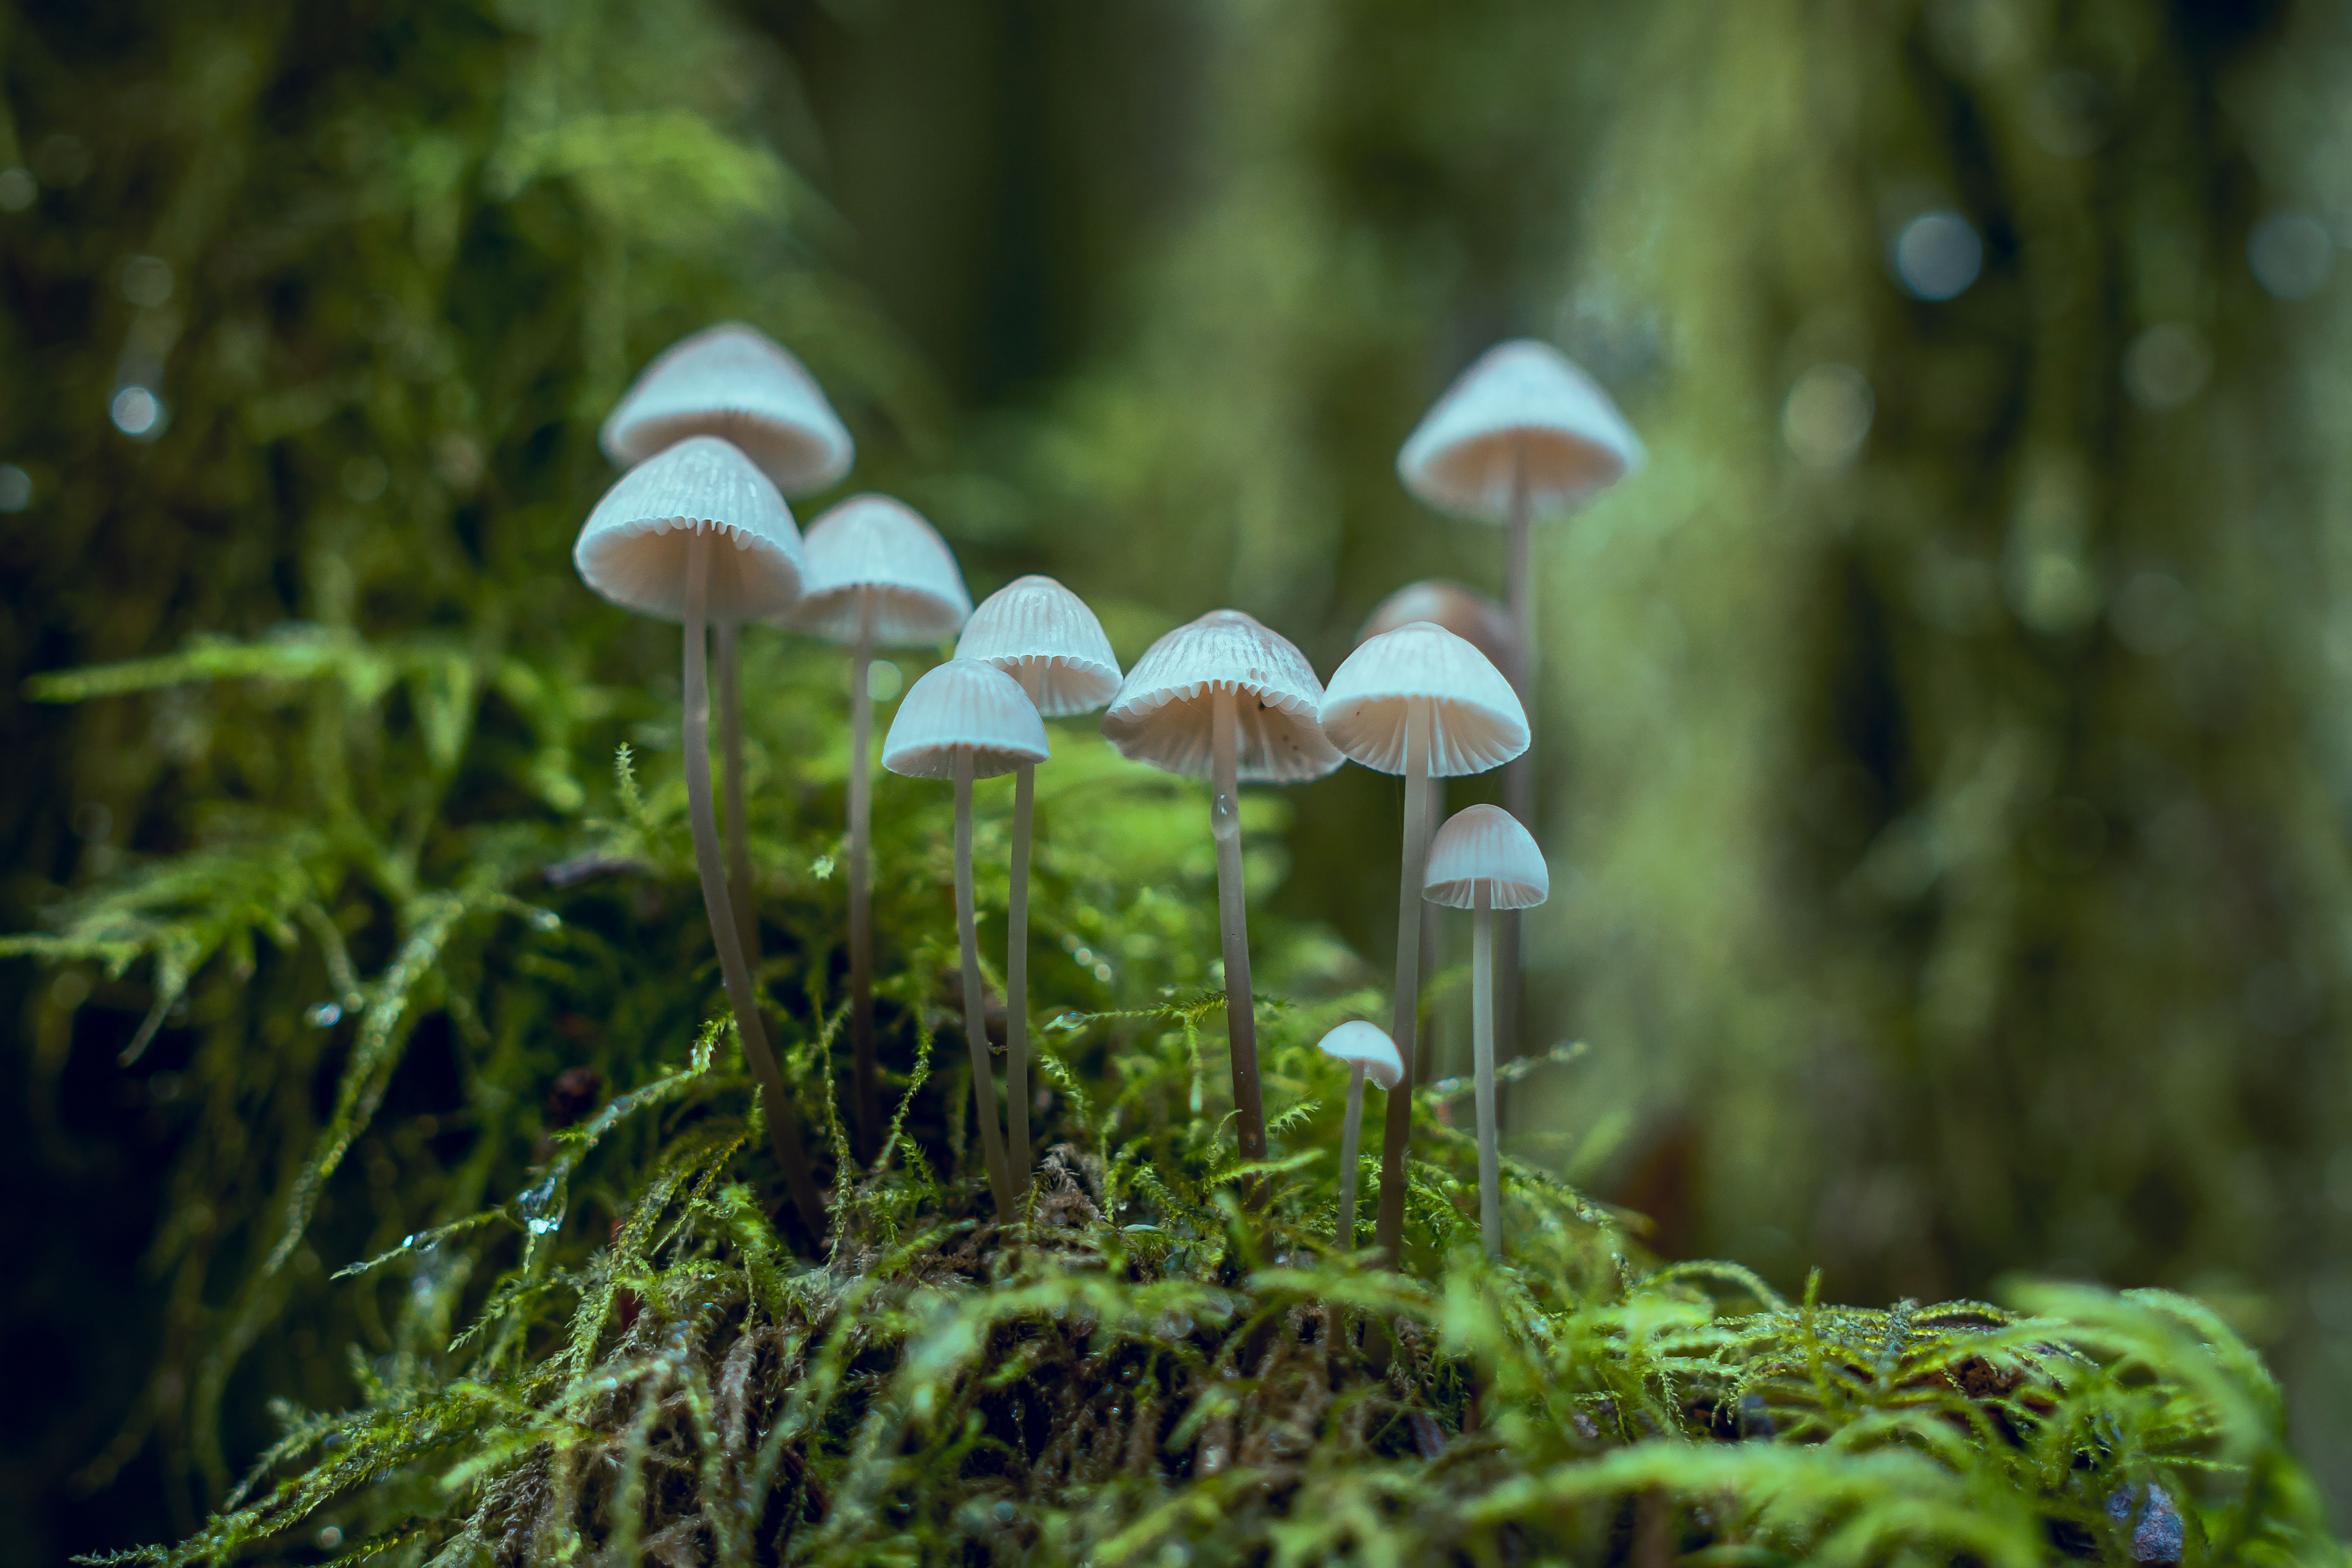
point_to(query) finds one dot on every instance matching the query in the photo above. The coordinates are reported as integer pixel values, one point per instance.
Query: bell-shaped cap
(1484, 845)
(1035, 627)
(1475, 719)
(734, 380)
(632, 548)
(875, 555)
(1369, 1044)
(1163, 711)
(964, 705)
(1522, 405)
(1469, 615)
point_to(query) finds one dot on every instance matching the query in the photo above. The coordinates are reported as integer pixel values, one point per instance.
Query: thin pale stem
(741, 895)
(975, 1001)
(1016, 959)
(784, 1122)
(865, 1081)
(1433, 950)
(1520, 784)
(1389, 1232)
(1482, 1048)
(1232, 922)
(1351, 1161)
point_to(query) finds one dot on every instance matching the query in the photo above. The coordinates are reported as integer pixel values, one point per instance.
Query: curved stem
(741, 895)
(1389, 1232)
(1016, 959)
(975, 1006)
(784, 1122)
(1232, 922)
(1351, 1135)
(867, 1090)
(1482, 1048)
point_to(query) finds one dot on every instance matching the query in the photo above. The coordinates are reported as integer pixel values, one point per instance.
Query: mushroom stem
(740, 895)
(1482, 1047)
(1433, 947)
(1351, 1136)
(1389, 1231)
(1016, 957)
(1519, 775)
(1232, 921)
(784, 1124)
(865, 1086)
(975, 1007)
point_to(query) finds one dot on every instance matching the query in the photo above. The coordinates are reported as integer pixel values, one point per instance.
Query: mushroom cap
(1477, 721)
(1037, 625)
(872, 549)
(1522, 401)
(964, 705)
(1486, 845)
(733, 380)
(1356, 1041)
(1163, 711)
(632, 549)
(1469, 615)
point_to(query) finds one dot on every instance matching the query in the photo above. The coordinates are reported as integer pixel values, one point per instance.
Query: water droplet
(408, 1240)
(325, 1015)
(544, 920)
(541, 1210)
(1005, 1513)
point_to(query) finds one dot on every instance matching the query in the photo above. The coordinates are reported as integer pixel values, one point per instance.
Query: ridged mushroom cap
(737, 382)
(1469, 615)
(1475, 719)
(873, 550)
(1521, 403)
(1164, 711)
(1035, 623)
(632, 549)
(964, 705)
(1358, 1041)
(1486, 845)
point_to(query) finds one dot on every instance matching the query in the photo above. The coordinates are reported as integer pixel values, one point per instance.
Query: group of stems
(719, 903)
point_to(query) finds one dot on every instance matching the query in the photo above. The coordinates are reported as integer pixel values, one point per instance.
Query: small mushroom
(1418, 701)
(964, 721)
(1369, 1053)
(735, 382)
(1226, 699)
(878, 575)
(1042, 635)
(653, 545)
(1482, 860)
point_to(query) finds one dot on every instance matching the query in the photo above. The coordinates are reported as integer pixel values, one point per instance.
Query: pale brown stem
(741, 895)
(1388, 1230)
(1351, 1161)
(1481, 1050)
(1016, 959)
(1232, 921)
(975, 1002)
(864, 1078)
(784, 1122)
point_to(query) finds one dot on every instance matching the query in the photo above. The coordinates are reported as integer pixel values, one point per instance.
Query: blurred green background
(1946, 774)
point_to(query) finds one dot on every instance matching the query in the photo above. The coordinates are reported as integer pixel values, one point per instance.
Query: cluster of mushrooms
(725, 425)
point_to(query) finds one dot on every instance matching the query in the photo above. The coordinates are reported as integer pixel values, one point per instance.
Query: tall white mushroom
(965, 720)
(1042, 635)
(733, 380)
(1228, 699)
(654, 545)
(1421, 702)
(878, 577)
(1369, 1053)
(1482, 860)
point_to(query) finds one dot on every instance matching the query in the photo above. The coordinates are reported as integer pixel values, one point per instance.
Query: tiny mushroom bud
(1226, 699)
(1420, 701)
(1482, 860)
(877, 576)
(1369, 1053)
(966, 721)
(1042, 635)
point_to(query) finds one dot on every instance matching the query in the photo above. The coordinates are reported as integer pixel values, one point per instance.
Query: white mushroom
(1369, 1053)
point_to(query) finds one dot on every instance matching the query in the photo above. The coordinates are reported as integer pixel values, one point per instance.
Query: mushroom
(1482, 860)
(734, 380)
(651, 546)
(1418, 701)
(1485, 626)
(1042, 635)
(878, 575)
(1369, 1053)
(963, 720)
(1225, 699)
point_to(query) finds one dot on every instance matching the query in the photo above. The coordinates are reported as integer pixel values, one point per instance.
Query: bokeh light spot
(137, 413)
(1827, 416)
(884, 681)
(147, 281)
(2167, 365)
(2292, 254)
(17, 189)
(15, 488)
(1938, 255)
